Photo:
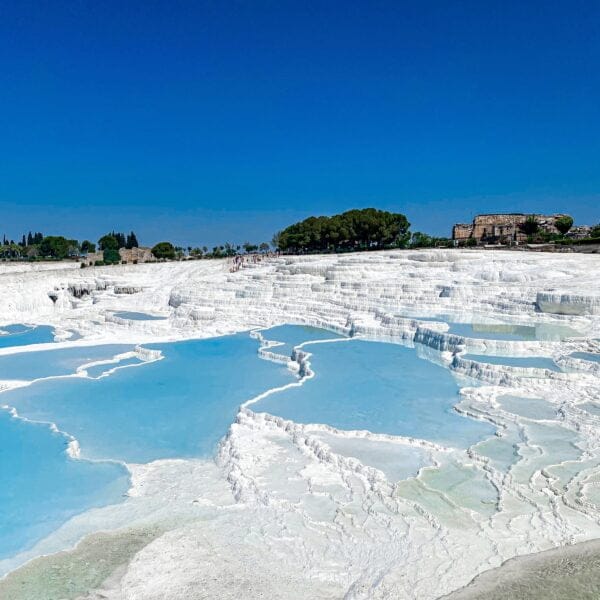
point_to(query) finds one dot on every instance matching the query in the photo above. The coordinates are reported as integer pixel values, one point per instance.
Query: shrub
(582, 241)
(563, 224)
(87, 246)
(108, 242)
(531, 225)
(54, 246)
(164, 250)
(111, 256)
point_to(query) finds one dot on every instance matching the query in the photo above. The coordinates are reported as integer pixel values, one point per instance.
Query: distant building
(579, 232)
(128, 255)
(92, 257)
(501, 228)
(136, 255)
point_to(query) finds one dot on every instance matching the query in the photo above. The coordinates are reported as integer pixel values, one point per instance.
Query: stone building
(136, 255)
(501, 228)
(92, 257)
(128, 255)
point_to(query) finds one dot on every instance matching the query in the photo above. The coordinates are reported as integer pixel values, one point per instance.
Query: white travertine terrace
(281, 514)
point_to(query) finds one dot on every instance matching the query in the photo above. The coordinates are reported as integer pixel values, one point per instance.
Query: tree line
(37, 246)
(359, 229)
(57, 247)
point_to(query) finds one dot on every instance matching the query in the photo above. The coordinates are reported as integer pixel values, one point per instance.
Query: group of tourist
(239, 260)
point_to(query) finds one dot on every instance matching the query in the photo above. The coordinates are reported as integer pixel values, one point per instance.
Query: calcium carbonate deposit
(406, 421)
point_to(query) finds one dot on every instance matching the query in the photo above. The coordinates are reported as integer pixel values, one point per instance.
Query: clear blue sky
(205, 122)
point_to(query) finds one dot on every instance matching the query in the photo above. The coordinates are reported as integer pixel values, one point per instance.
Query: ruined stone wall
(462, 231)
(502, 227)
(140, 255)
(92, 257)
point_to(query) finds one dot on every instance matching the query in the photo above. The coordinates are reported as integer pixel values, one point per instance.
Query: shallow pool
(525, 362)
(531, 408)
(24, 335)
(176, 407)
(28, 366)
(591, 356)
(41, 487)
(103, 368)
(293, 335)
(507, 331)
(383, 388)
(138, 316)
(395, 461)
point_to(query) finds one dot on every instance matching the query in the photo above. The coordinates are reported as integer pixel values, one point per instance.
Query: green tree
(164, 250)
(362, 229)
(111, 256)
(108, 242)
(595, 231)
(421, 240)
(121, 240)
(87, 246)
(54, 246)
(275, 240)
(530, 226)
(563, 224)
(131, 241)
(264, 247)
(248, 247)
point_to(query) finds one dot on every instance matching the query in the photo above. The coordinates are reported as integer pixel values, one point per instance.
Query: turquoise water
(48, 363)
(529, 362)
(42, 487)
(502, 331)
(23, 335)
(586, 356)
(182, 405)
(179, 406)
(383, 388)
(97, 370)
(293, 335)
(176, 407)
(531, 408)
(396, 461)
(138, 316)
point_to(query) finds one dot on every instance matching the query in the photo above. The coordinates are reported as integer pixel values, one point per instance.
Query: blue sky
(205, 122)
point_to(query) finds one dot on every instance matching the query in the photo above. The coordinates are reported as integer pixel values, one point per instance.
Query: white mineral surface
(289, 510)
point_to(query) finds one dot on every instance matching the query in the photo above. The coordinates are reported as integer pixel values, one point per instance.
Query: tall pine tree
(131, 241)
